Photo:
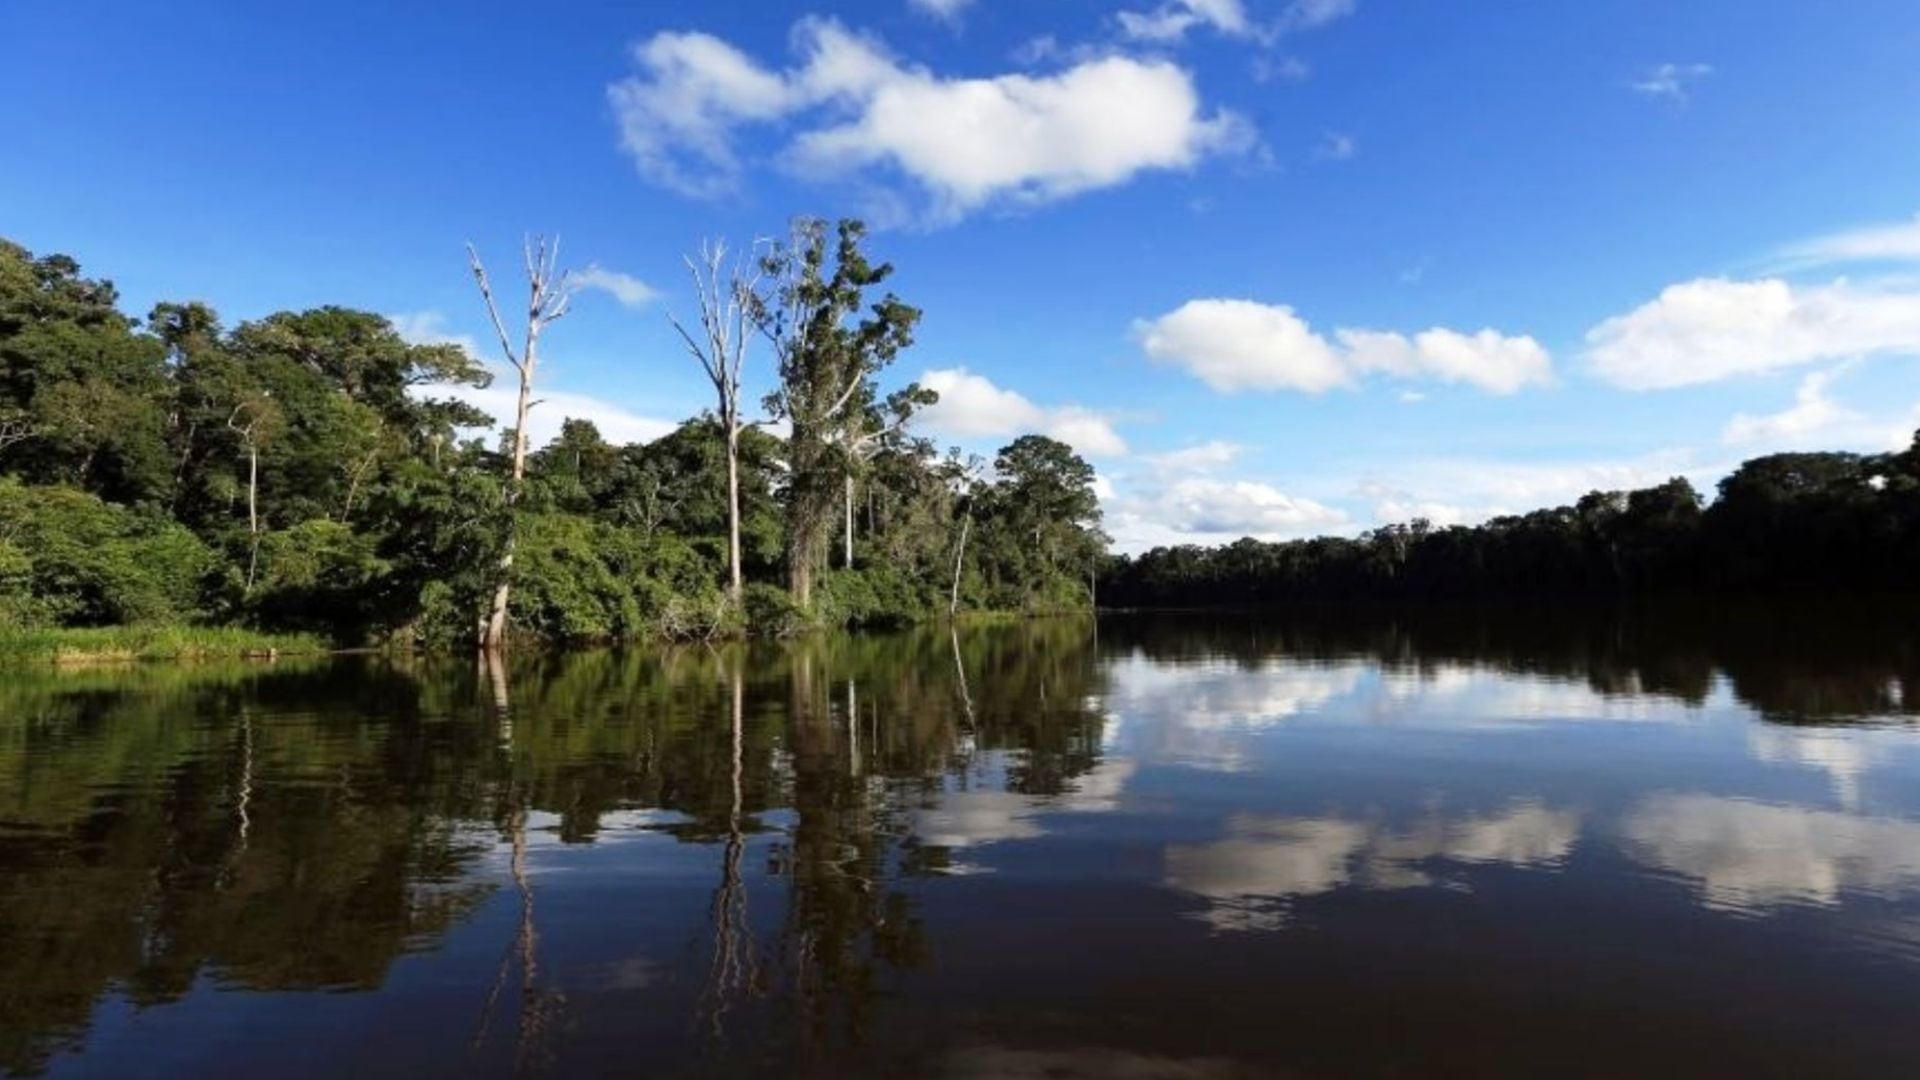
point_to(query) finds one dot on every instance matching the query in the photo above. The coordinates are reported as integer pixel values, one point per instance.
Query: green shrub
(91, 563)
(871, 596)
(769, 611)
(584, 580)
(317, 575)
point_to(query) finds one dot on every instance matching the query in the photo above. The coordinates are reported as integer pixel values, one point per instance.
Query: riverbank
(119, 644)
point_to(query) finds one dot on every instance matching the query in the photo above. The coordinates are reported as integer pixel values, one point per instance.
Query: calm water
(1176, 846)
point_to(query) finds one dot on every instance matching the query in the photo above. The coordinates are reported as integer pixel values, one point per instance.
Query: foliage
(73, 645)
(69, 559)
(303, 472)
(1781, 522)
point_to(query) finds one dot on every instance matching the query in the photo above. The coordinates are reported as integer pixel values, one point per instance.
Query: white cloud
(1896, 242)
(1179, 498)
(972, 406)
(948, 10)
(1466, 491)
(1713, 328)
(627, 290)
(1156, 511)
(1199, 458)
(1813, 414)
(1487, 359)
(616, 423)
(1170, 21)
(1334, 146)
(1234, 345)
(430, 328)
(965, 142)
(1750, 856)
(1670, 81)
(1241, 508)
(676, 119)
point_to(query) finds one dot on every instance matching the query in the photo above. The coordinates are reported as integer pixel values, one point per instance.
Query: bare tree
(549, 294)
(964, 477)
(727, 293)
(253, 420)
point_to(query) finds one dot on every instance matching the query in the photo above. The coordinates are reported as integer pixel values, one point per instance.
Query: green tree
(827, 355)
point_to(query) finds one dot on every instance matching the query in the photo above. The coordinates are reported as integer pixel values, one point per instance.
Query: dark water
(1176, 846)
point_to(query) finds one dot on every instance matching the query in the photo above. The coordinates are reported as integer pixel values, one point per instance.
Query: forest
(1795, 523)
(309, 472)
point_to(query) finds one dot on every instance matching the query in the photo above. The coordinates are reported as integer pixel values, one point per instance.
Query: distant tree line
(310, 471)
(1780, 523)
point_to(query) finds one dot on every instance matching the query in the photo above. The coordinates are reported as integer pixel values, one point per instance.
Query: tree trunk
(800, 577)
(253, 511)
(848, 564)
(960, 553)
(493, 630)
(735, 585)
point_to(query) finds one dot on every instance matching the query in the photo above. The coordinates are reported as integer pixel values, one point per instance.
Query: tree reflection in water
(304, 826)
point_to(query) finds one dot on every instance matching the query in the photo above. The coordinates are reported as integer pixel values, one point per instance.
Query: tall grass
(120, 643)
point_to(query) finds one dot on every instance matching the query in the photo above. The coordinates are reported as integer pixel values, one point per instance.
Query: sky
(1276, 267)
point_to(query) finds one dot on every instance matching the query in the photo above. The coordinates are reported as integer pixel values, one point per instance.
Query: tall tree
(549, 294)
(826, 363)
(727, 293)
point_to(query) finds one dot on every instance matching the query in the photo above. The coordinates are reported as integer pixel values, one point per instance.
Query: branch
(493, 310)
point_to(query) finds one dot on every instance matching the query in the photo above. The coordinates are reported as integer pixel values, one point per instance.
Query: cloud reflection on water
(1265, 861)
(1748, 856)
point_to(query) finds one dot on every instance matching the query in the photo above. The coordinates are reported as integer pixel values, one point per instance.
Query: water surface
(1170, 846)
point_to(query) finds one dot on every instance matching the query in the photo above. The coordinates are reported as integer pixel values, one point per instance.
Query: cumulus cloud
(617, 423)
(853, 108)
(1180, 499)
(1466, 491)
(1198, 458)
(1670, 81)
(1169, 22)
(1812, 414)
(973, 406)
(1895, 242)
(1206, 505)
(430, 328)
(1752, 856)
(1714, 328)
(1234, 345)
(627, 290)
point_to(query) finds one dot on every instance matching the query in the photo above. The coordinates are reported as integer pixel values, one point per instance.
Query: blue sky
(1277, 266)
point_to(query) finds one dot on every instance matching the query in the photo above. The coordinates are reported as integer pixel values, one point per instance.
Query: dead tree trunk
(547, 301)
(848, 563)
(959, 554)
(726, 293)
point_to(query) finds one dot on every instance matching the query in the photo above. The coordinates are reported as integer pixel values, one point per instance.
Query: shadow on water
(825, 854)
